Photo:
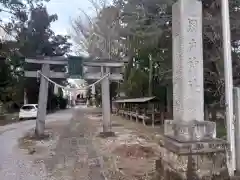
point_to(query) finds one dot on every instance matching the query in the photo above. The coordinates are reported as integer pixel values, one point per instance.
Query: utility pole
(228, 83)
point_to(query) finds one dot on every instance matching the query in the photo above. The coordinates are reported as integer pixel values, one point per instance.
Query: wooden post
(42, 102)
(129, 113)
(144, 114)
(153, 115)
(137, 113)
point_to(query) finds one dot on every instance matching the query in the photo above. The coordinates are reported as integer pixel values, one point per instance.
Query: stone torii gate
(45, 62)
(114, 68)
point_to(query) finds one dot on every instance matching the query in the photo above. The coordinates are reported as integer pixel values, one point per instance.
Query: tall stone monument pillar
(190, 143)
(188, 91)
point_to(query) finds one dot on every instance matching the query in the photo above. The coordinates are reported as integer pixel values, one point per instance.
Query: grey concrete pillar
(236, 101)
(42, 101)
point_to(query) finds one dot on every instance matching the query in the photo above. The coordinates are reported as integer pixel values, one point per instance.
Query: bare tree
(99, 36)
(4, 36)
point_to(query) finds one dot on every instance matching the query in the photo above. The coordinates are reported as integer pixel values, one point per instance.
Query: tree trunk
(169, 99)
(150, 75)
(214, 114)
(206, 113)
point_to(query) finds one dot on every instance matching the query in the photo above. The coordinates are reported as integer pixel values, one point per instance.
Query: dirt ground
(45, 147)
(129, 155)
(132, 153)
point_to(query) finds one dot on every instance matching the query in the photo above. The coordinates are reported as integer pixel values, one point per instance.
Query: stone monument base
(191, 151)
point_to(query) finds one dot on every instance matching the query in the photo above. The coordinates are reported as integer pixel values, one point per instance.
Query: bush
(2, 109)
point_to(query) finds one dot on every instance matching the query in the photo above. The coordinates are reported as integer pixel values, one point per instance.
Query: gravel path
(76, 158)
(14, 162)
(73, 150)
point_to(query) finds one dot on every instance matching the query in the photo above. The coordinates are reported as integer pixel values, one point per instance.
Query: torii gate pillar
(106, 102)
(45, 63)
(114, 68)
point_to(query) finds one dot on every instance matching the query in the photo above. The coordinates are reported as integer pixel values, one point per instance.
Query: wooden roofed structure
(145, 108)
(138, 100)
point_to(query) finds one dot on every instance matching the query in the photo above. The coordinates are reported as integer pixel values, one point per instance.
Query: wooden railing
(146, 118)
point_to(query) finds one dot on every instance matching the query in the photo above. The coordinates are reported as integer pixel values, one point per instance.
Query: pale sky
(67, 10)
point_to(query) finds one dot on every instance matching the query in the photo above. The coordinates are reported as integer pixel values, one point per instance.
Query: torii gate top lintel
(106, 66)
(61, 60)
(105, 63)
